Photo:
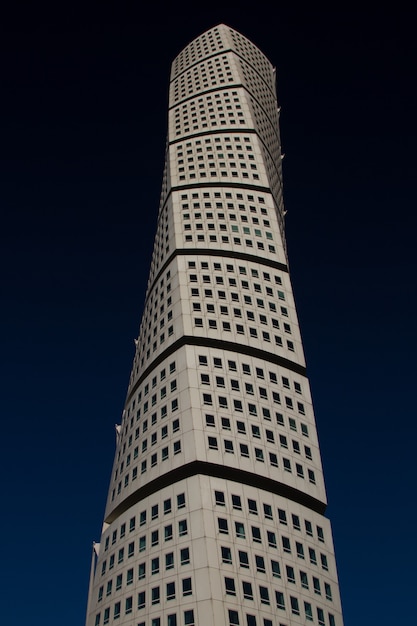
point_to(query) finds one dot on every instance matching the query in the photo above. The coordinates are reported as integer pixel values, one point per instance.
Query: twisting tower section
(215, 512)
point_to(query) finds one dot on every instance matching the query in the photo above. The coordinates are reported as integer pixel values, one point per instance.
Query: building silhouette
(215, 512)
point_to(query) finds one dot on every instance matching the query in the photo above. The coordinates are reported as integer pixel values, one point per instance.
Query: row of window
(234, 619)
(253, 55)
(209, 161)
(194, 219)
(205, 44)
(244, 284)
(213, 117)
(238, 313)
(163, 456)
(170, 620)
(144, 519)
(186, 587)
(154, 539)
(232, 367)
(230, 585)
(223, 310)
(233, 615)
(259, 372)
(151, 385)
(220, 383)
(125, 464)
(240, 532)
(171, 387)
(200, 155)
(252, 409)
(259, 565)
(248, 593)
(203, 77)
(221, 217)
(259, 454)
(266, 414)
(225, 240)
(233, 283)
(216, 267)
(234, 298)
(240, 330)
(256, 433)
(153, 297)
(228, 195)
(156, 564)
(253, 509)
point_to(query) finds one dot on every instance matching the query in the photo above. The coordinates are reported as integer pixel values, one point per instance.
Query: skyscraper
(215, 512)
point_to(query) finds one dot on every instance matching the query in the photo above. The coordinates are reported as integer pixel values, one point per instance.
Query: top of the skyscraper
(218, 39)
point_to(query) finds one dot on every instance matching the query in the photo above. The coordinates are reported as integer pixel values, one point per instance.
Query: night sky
(83, 128)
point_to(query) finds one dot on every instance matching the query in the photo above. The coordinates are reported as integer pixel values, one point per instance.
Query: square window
(308, 611)
(256, 534)
(228, 446)
(260, 563)
(185, 556)
(226, 423)
(273, 459)
(276, 572)
(187, 587)
(264, 594)
(312, 555)
(170, 590)
(222, 525)
(156, 596)
(212, 443)
(182, 527)
(294, 606)
(290, 574)
(328, 591)
(286, 544)
(141, 600)
(236, 502)
(279, 598)
(300, 549)
(226, 554)
(229, 584)
(247, 590)
(316, 586)
(240, 530)
(259, 455)
(244, 450)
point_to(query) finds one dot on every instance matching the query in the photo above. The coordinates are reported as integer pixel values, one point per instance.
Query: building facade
(215, 512)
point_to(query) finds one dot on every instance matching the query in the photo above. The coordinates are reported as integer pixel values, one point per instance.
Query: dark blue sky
(83, 125)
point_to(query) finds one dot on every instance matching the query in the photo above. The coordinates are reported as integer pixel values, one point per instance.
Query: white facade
(216, 502)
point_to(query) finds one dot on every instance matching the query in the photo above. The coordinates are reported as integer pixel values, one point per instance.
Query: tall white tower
(215, 512)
